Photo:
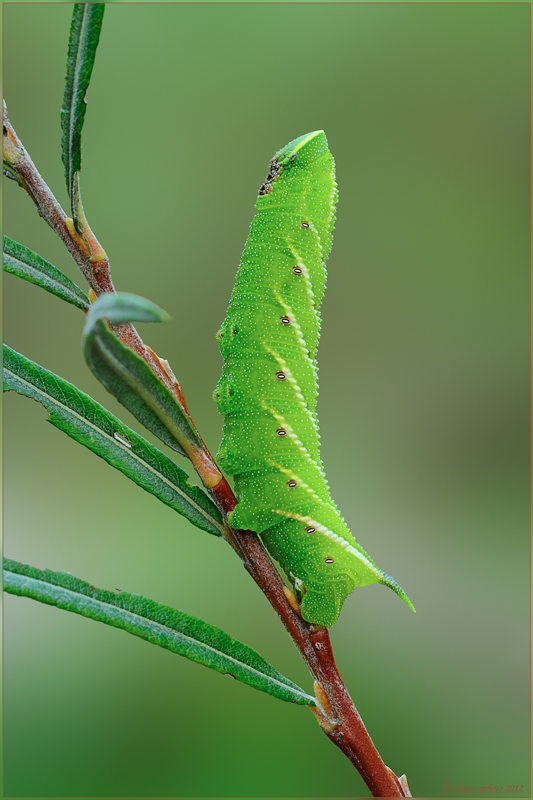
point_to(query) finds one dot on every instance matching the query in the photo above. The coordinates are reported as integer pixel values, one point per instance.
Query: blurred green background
(423, 391)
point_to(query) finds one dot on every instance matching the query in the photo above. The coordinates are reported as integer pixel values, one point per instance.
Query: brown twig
(94, 264)
(335, 712)
(336, 715)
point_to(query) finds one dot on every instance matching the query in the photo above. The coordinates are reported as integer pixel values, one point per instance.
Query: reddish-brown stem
(94, 264)
(341, 721)
(335, 712)
(49, 209)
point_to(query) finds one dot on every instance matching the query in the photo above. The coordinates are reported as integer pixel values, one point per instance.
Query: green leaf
(26, 264)
(83, 41)
(158, 624)
(90, 424)
(128, 377)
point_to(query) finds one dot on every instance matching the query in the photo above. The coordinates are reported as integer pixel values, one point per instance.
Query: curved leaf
(90, 424)
(128, 377)
(83, 40)
(159, 624)
(26, 264)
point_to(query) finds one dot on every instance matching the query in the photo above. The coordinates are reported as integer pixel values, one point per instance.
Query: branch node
(323, 699)
(314, 628)
(292, 600)
(327, 725)
(78, 240)
(400, 783)
(403, 783)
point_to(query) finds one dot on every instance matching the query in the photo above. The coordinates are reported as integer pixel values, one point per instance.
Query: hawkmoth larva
(268, 389)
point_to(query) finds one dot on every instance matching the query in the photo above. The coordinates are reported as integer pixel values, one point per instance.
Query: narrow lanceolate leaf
(128, 377)
(158, 624)
(90, 424)
(83, 41)
(26, 264)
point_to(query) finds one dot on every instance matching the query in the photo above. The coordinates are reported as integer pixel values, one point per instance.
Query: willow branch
(336, 713)
(94, 264)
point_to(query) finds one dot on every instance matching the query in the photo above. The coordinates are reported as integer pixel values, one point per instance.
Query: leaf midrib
(39, 273)
(75, 85)
(113, 441)
(160, 626)
(173, 427)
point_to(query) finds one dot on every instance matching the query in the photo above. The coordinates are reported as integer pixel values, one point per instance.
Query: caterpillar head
(298, 154)
(304, 150)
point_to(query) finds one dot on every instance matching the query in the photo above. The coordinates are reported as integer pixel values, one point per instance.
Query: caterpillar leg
(323, 605)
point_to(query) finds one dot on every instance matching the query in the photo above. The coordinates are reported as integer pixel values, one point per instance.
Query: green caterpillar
(268, 389)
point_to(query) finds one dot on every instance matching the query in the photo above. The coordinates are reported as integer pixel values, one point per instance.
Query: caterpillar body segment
(268, 389)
